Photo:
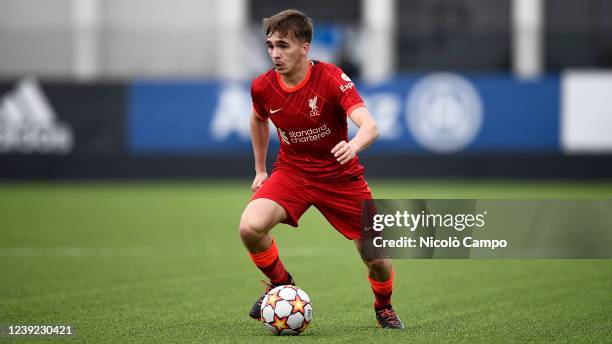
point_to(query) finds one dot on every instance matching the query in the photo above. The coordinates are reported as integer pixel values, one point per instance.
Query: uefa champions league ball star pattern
(286, 310)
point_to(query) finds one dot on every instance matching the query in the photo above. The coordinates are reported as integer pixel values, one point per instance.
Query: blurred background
(160, 89)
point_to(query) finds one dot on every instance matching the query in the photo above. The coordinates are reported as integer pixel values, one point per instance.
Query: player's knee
(378, 264)
(251, 230)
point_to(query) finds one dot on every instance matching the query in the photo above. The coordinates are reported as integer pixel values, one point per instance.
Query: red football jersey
(311, 119)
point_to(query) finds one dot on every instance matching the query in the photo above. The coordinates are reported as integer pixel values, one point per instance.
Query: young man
(308, 102)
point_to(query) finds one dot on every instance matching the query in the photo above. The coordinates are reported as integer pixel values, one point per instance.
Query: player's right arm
(260, 137)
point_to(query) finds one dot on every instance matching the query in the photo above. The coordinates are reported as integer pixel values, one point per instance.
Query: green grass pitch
(162, 262)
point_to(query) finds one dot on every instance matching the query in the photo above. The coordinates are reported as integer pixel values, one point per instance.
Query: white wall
(127, 38)
(35, 35)
(157, 38)
(586, 111)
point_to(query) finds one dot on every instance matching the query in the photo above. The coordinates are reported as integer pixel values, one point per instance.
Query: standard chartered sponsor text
(312, 134)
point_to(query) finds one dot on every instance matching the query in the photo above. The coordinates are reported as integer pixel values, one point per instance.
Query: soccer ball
(286, 310)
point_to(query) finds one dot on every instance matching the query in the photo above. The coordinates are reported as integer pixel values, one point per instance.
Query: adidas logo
(28, 123)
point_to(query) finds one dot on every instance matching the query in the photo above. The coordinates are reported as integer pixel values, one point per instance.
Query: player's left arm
(366, 135)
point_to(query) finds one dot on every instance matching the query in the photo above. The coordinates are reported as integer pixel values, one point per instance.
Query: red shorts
(339, 201)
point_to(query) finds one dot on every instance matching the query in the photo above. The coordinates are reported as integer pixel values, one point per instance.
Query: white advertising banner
(586, 111)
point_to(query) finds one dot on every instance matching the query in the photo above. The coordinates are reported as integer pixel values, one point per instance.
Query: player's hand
(260, 178)
(344, 152)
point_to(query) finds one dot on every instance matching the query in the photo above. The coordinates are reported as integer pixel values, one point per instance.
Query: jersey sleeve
(345, 90)
(257, 106)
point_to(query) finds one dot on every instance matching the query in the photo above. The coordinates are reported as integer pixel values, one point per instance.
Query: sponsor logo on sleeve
(349, 85)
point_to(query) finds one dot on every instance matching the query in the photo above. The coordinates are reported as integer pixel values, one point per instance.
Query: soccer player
(309, 103)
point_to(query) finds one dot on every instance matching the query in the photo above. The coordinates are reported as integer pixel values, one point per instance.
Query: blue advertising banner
(440, 113)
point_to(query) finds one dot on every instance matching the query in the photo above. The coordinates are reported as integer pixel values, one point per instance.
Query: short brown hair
(289, 23)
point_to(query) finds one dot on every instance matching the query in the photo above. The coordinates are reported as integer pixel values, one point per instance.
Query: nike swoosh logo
(275, 111)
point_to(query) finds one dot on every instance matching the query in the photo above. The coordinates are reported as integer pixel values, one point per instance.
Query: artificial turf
(162, 262)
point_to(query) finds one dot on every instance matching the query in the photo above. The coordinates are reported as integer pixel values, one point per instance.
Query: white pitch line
(74, 252)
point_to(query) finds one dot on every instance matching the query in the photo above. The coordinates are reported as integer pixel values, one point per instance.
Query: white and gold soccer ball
(286, 310)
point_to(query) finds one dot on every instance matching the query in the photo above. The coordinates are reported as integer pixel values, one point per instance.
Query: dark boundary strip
(107, 167)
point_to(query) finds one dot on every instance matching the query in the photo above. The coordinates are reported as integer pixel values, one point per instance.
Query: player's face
(286, 52)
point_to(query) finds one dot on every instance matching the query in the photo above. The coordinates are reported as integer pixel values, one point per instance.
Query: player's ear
(305, 48)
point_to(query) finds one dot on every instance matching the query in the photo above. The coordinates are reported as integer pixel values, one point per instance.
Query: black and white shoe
(387, 318)
(255, 311)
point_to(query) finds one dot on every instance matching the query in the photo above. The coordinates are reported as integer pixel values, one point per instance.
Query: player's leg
(341, 204)
(257, 220)
(380, 276)
(278, 200)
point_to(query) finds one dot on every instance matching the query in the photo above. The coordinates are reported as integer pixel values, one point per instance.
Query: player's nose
(276, 53)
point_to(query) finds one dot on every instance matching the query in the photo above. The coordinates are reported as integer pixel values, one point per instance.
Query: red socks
(382, 291)
(268, 262)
